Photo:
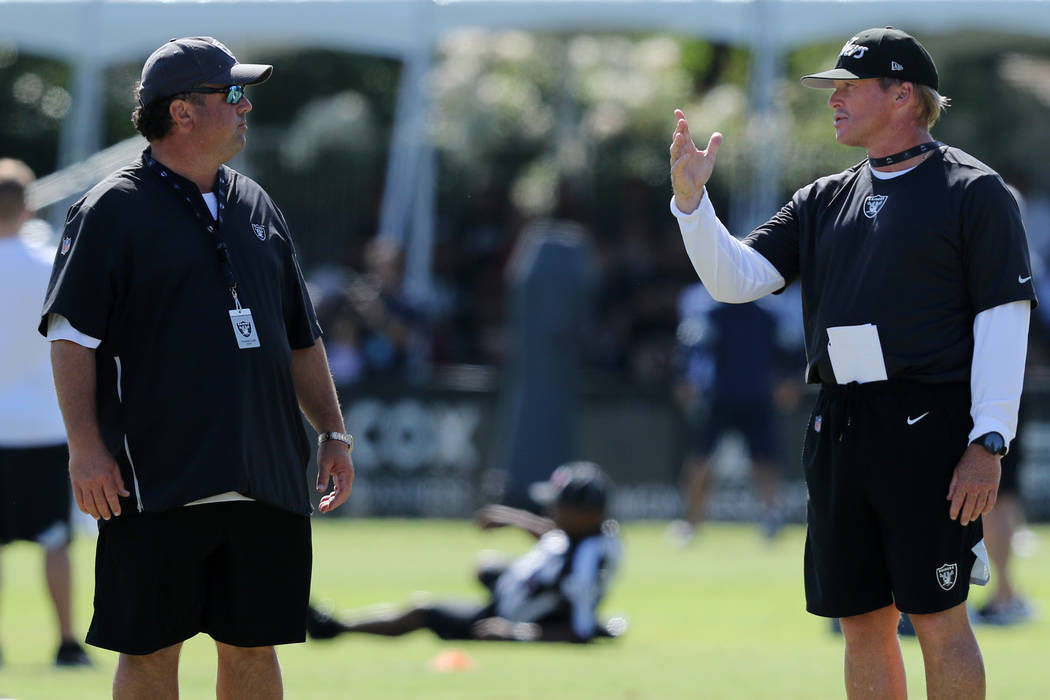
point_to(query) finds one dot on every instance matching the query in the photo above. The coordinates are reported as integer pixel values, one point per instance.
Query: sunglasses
(234, 93)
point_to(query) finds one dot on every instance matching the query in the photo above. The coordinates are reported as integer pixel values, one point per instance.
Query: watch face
(994, 443)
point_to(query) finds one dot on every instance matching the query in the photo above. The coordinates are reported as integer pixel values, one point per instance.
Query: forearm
(731, 271)
(315, 389)
(997, 373)
(73, 367)
(499, 515)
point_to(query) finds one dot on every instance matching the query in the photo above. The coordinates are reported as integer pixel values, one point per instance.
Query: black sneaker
(321, 625)
(70, 653)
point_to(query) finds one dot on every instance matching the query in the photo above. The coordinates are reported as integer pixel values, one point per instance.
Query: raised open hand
(691, 168)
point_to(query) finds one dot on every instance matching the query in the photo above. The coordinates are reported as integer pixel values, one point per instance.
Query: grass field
(722, 619)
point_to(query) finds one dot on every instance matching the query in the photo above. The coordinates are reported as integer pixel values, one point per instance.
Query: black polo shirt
(185, 411)
(919, 256)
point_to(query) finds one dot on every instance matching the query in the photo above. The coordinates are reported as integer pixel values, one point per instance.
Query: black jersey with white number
(918, 256)
(186, 413)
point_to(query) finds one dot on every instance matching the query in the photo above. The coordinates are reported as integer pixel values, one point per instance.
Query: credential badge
(873, 205)
(66, 242)
(817, 423)
(946, 576)
(260, 232)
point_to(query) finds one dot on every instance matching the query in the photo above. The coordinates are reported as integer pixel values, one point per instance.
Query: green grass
(722, 619)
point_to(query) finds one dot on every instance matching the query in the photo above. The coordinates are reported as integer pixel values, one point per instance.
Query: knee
(945, 628)
(160, 661)
(877, 626)
(235, 656)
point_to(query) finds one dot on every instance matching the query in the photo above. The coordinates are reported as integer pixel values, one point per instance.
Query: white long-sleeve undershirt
(735, 273)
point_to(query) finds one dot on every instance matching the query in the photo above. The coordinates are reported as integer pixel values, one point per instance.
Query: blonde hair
(931, 103)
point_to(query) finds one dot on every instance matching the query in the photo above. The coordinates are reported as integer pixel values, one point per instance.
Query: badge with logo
(244, 328)
(873, 205)
(260, 232)
(946, 576)
(66, 242)
(817, 423)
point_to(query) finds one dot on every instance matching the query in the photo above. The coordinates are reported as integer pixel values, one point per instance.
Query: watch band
(994, 443)
(333, 435)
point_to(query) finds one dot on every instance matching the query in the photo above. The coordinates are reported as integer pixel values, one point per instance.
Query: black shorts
(755, 422)
(36, 499)
(456, 620)
(878, 460)
(239, 571)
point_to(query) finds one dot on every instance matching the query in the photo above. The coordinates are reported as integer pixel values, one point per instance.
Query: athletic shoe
(70, 653)
(1013, 612)
(680, 533)
(322, 625)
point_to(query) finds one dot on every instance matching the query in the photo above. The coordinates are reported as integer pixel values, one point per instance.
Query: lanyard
(187, 190)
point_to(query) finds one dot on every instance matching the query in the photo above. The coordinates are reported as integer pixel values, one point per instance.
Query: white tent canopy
(93, 34)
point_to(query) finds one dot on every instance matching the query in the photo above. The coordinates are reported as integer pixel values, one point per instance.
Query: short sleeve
(86, 275)
(299, 316)
(778, 241)
(995, 248)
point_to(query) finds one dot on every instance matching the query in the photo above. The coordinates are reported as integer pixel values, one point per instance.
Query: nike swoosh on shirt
(913, 421)
(1022, 280)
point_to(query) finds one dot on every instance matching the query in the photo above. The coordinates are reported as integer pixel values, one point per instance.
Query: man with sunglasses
(184, 345)
(916, 295)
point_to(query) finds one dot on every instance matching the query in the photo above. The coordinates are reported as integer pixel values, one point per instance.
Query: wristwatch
(993, 442)
(341, 437)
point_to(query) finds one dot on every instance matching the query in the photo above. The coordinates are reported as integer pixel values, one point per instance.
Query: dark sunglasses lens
(234, 94)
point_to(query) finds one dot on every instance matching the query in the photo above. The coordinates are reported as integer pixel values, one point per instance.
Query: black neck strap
(904, 155)
(191, 194)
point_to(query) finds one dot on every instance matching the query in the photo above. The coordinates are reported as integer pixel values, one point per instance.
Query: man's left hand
(975, 485)
(334, 464)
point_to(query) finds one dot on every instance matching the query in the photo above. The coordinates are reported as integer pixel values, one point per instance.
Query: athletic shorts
(755, 422)
(36, 499)
(456, 620)
(878, 460)
(238, 571)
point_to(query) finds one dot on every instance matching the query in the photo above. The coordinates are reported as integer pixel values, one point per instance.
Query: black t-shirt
(186, 413)
(919, 256)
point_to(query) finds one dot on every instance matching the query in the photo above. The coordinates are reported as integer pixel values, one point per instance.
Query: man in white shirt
(35, 497)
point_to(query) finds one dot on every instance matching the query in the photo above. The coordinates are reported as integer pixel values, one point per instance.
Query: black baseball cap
(581, 484)
(879, 53)
(182, 64)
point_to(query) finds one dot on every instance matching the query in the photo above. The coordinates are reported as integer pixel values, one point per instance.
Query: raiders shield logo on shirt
(873, 204)
(260, 232)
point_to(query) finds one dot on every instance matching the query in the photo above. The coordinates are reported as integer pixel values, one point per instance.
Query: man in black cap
(185, 350)
(549, 594)
(916, 295)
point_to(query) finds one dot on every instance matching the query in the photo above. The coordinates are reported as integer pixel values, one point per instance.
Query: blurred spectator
(392, 330)
(35, 494)
(731, 366)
